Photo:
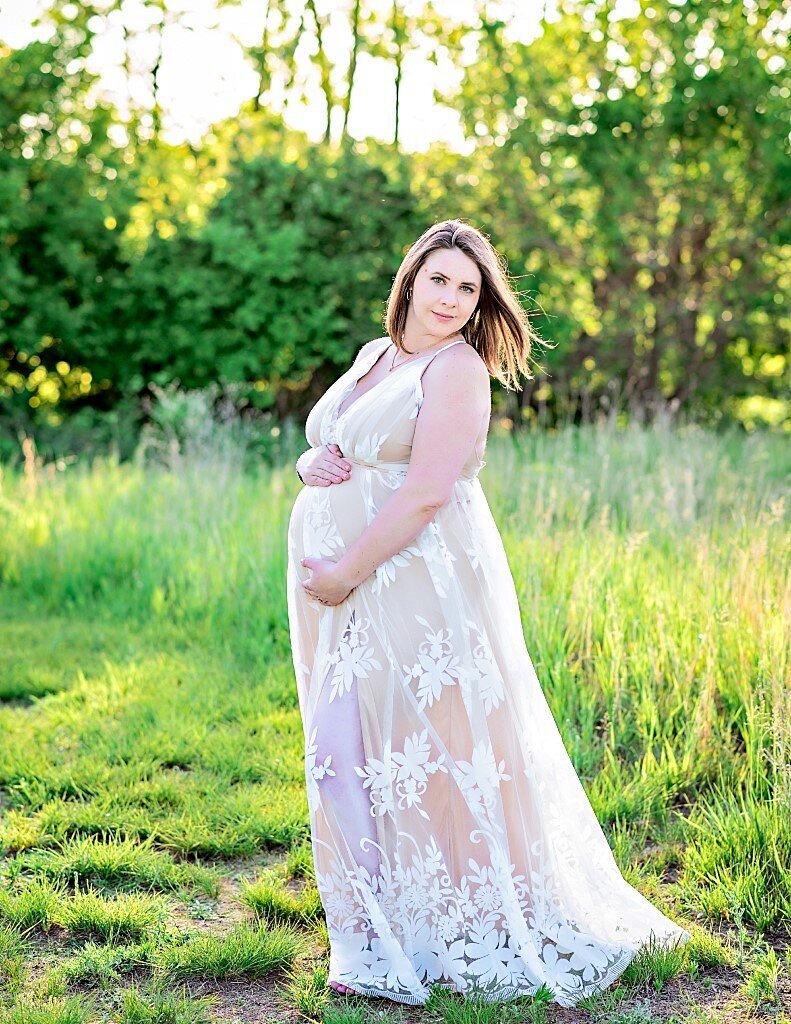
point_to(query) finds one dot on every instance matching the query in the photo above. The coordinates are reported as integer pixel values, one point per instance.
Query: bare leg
(339, 734)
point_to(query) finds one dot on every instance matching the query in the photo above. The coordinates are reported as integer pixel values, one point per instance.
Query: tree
(279, 288)
(651, 165)
(64, 200)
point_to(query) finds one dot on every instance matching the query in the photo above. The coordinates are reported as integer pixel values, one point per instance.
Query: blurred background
(204, 203)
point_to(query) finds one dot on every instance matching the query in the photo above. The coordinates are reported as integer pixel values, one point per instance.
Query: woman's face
(448, 282)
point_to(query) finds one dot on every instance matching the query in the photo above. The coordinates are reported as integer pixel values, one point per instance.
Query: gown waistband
(389, 466)
(402, 467)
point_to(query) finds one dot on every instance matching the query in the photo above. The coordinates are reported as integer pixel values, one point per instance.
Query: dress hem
(511, 992)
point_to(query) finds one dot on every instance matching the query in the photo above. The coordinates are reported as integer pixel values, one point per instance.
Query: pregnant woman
(453, 842)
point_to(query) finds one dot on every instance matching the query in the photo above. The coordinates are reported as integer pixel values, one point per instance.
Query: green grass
(151, 773)
(38, 903)
(163, 1008)
(760, 986)
(271, 900)
(102, 965)
(35, 902)
(247, 951)
(135, 1007)
(740, 865)
(14, 950)
(48, 1010)
(453, 1008)
(125, 918)
(119, 862)
(654, 965)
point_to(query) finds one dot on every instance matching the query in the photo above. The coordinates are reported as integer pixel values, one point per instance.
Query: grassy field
(155, 863)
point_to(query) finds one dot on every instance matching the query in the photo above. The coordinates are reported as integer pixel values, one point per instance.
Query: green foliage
(122, 862)
(299, 863)
(474, 1008)
(37, 904)
(185, 426)
(281, 285)
(127, 917)
(48, 1010)
(102, 965)
(705, 950)
(14, 951)
(653, 200)
(639, 189)
(656, 964)
(761, 985)
(64, 203)
(307, 990)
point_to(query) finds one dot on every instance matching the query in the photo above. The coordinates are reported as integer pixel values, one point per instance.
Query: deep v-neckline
(389, 376)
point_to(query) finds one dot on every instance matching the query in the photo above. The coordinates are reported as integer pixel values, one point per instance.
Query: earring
(409, 293)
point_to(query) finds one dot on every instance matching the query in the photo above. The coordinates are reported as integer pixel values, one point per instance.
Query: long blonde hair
(499, 329)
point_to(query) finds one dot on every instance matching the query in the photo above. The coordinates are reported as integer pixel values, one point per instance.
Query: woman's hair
(499, 328)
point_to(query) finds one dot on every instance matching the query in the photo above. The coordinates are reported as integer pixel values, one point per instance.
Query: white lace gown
(453, 842)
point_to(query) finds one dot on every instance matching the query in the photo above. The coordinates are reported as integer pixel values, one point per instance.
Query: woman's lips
(444, 319)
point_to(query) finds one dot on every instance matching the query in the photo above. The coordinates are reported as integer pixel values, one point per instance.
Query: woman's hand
(326, 584)
(320, 467)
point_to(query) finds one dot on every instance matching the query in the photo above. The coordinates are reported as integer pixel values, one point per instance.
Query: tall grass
(148, 698)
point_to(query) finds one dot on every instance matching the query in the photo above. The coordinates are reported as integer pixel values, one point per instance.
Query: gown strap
(458, 341)
(427, 363)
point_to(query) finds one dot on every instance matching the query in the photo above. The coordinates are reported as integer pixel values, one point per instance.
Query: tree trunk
(264, 80)
(347, 102)
(398, 34)
(324, 68)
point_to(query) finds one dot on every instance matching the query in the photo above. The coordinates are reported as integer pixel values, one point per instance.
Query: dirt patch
(221, 913)
(248, 1001)
(716, 991)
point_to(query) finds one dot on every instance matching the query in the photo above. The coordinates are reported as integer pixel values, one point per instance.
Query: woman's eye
(440, 281)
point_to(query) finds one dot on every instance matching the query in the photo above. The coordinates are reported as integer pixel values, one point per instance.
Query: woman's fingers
(330, 468)
(326, 479)
(335, 471)
(337, 456)
(328, 476)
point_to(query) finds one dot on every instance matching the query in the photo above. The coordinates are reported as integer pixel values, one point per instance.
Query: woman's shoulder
(462, 359)
(458, 371)
(369, 346)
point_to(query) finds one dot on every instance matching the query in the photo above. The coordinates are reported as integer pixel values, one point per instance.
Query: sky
(205, 76)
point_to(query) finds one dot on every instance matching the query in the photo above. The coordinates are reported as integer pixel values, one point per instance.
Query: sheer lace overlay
(452, 839)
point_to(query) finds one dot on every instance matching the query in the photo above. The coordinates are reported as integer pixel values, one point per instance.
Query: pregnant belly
(325, 521)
